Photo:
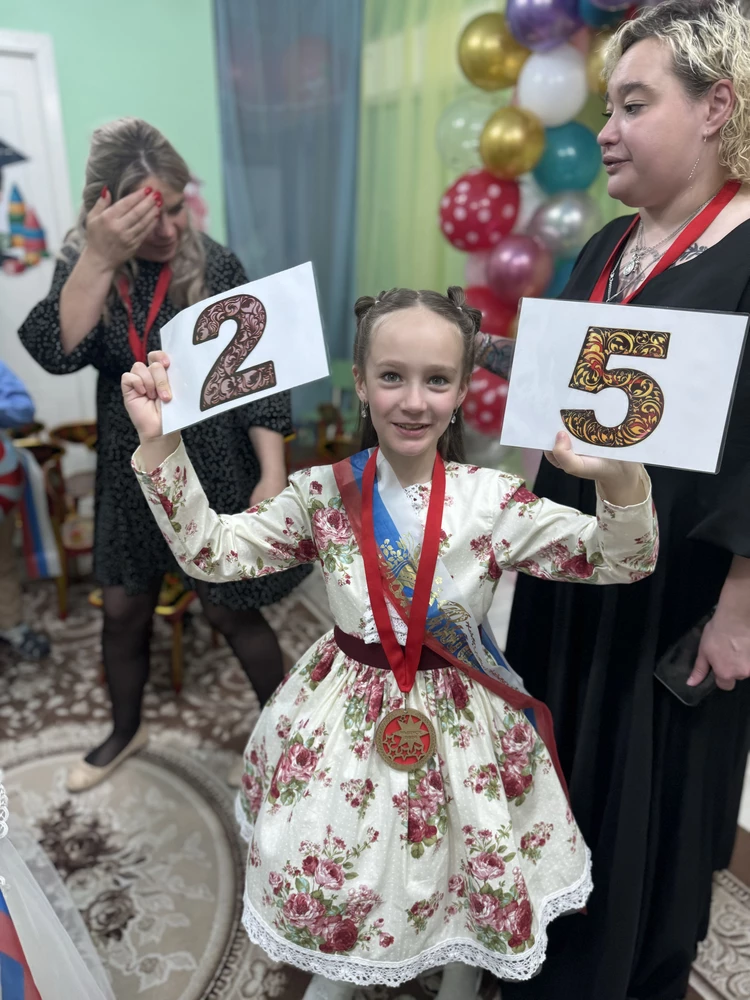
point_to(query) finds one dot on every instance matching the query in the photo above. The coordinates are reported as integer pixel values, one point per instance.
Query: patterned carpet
(152, 858)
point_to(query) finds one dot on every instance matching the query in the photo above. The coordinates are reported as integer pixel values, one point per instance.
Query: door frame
(39, 48)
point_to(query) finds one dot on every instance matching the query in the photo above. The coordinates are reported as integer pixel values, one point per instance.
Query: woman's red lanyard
(138, 343)
(687, 237)
(403, 664)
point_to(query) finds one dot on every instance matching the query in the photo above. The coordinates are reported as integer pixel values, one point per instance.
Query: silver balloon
(532, 197)
(565, 222)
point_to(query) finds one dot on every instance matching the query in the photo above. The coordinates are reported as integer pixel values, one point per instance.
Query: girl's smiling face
(413, 382)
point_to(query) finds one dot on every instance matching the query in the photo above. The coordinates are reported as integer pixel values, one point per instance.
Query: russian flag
(16, 982)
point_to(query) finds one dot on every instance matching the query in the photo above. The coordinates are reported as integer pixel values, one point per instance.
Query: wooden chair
(81, 432)
(74, 532)
(32, 430)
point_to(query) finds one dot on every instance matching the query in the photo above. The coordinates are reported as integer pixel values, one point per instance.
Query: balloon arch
(520, 207)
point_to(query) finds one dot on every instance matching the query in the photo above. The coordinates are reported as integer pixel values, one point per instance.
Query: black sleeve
(273, 412)
(724, 500)
(40, 332)
(235, 271)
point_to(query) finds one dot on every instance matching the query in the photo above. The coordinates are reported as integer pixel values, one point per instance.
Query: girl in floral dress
(402, 798)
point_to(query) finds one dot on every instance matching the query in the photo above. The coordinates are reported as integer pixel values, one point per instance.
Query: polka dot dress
(129, 549)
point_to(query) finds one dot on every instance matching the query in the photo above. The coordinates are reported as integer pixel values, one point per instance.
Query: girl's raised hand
(144, 389)
(622, 482)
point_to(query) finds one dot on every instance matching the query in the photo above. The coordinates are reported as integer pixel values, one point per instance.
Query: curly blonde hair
(709, 41)
(123, 154)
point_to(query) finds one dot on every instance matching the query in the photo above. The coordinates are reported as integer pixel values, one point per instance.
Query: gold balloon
(512, 142)
(489, 55)
(595, 62)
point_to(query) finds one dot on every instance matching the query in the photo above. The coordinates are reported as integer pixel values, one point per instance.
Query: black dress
(129, 549)
(655, 786)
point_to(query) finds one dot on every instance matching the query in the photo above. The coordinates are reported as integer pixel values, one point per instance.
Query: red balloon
(496, 314)
(477, 210)
(484, 406)
(519, 267)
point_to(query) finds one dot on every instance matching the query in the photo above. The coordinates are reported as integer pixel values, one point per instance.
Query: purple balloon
(519, 266)
(542, 24)
(623, 5)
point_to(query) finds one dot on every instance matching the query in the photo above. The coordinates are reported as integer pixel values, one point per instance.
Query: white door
(30, 122)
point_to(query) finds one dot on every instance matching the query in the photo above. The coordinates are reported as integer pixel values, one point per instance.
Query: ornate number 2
(224, 382)
(645, 396)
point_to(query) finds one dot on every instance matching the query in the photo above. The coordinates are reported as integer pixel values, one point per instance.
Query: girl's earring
(453, 418)
(363, 411)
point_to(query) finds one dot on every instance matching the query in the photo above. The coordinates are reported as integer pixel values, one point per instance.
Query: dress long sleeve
(40, 332)
(275, 535)
(617, 545)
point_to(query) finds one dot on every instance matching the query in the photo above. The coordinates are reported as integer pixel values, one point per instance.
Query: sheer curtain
(289, 98)
(410, 74)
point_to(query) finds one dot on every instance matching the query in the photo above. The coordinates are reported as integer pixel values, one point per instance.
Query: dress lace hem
(364, 972)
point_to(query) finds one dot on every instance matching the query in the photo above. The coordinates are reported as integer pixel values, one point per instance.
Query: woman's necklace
(640, 251)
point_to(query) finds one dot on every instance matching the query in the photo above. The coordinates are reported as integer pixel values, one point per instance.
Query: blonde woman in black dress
(135, 251)
(654, 784)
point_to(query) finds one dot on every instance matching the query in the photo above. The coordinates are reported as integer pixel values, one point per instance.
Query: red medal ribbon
(404, 664)
(137, 342)
(687, 237)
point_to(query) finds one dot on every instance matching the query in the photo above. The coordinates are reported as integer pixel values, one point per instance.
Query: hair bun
(457, 296)
(362, 306)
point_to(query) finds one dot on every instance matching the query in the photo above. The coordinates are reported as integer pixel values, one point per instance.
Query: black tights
(126, 639)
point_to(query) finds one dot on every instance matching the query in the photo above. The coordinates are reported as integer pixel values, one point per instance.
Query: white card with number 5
(629, 382)
(243, 345)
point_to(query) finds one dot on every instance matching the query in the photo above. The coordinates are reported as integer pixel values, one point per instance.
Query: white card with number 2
(243, 345)
(628, 382)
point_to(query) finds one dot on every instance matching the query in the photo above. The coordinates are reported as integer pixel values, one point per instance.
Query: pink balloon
(582, 39)
(519, 267)
(476, 268)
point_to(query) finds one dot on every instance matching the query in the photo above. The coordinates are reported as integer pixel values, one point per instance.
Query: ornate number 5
(645, 396)
(224, 382)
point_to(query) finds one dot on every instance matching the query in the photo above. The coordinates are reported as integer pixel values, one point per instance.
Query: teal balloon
(563, 271)
(570, 161)
(596, 17)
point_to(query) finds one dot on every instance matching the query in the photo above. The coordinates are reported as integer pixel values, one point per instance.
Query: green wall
(152, 59)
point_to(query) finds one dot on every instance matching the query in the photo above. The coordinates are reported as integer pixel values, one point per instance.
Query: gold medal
(405, 739)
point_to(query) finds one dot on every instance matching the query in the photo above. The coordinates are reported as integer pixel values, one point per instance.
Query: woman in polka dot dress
(130, 264)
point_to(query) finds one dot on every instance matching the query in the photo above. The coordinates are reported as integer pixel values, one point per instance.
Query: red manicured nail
(105, 192)
(148, 190)
(158, 198)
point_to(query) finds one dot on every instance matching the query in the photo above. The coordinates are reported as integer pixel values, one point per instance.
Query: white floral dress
(359, 871)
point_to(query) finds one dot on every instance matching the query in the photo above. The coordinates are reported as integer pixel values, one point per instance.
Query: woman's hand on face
(115, 231)
(144, 389)
(621, 482)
